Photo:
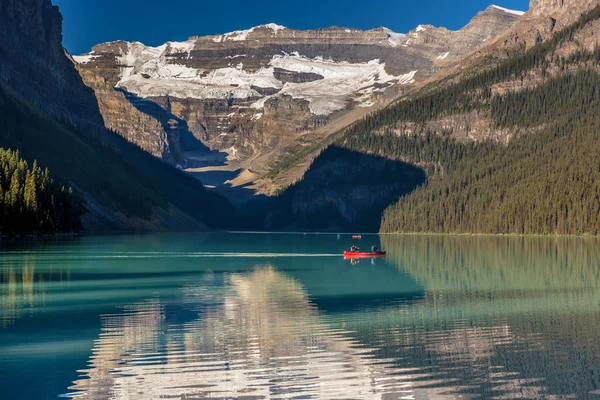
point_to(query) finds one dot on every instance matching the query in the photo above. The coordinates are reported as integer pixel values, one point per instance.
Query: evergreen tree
(31, 203)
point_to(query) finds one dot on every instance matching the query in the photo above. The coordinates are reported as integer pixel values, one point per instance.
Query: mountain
(544, 18)
(264, 93)
(489, 129)
(52, 117)
(34, 65)
(508, 148)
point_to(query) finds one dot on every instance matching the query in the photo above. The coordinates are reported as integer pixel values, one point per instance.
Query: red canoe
(364, 254)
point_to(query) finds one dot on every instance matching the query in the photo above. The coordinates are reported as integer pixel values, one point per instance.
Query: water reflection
(440, 317)
(265, 339)
(502, 317)
(458, 263)
(23, 289)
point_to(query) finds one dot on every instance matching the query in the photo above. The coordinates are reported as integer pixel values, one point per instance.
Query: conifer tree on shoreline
(31, 202)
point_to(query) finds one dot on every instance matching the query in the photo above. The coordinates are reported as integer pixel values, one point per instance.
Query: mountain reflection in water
(440, 318)
(260, 338)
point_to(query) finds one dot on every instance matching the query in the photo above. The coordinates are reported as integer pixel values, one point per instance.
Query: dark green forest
(545, 181)
(31, 202)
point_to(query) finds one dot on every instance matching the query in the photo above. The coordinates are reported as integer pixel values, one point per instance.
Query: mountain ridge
(262, 93)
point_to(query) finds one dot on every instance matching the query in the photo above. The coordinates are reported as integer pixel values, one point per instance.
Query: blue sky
(153, 22)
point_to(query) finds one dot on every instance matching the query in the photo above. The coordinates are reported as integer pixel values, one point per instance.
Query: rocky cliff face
(121, 116)
(564, 12)
(537, 25)
(33, 62)
(53, 117)
(445, 47)
(549, 7)
(256, 92)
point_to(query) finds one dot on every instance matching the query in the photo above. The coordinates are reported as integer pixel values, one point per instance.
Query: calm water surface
(256, 316)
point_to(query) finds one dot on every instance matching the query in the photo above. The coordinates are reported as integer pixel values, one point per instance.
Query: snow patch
(182, 47)
(136, 56)
(443, 56)
(407, 78)
(240, 36)
(420, 28)
(85, 58)
(395, 39)
(274, 27)
(341, 81)
(184, 82)
(514, 12)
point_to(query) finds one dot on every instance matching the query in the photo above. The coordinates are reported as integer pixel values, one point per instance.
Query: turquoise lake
(284, 316)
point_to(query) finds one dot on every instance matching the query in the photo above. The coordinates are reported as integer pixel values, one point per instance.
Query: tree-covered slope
(546, 180)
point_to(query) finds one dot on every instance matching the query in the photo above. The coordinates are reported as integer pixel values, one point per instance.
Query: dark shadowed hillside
(343, 191)
(49, 115)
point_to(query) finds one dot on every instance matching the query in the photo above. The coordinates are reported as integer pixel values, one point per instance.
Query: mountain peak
(237, 36)
(272, 26)
(394, 38)
(506, 10)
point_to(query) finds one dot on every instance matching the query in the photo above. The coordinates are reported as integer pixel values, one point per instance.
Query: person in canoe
(354, 248)
(374, 249)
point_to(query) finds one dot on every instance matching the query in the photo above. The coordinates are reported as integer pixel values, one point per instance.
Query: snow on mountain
(395, 39)
(149, 72)
(86, 58)
(238, 36)
(342, 82)
(182, 47)
(225, 67)
(258, 93)
(514, 12)
(274, 27)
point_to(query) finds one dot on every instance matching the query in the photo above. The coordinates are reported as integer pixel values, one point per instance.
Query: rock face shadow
(181, 139)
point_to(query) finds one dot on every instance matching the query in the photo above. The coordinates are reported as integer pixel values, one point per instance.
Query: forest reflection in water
(456, 317)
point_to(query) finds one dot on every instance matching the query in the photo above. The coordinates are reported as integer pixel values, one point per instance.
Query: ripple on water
(265, 339)
(257, 335)
(441, 317)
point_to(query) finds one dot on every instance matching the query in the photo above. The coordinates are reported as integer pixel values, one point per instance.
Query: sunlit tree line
(31, 202)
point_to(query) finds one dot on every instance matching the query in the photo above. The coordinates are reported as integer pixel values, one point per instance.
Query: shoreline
(507, 235)
(129, 233)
